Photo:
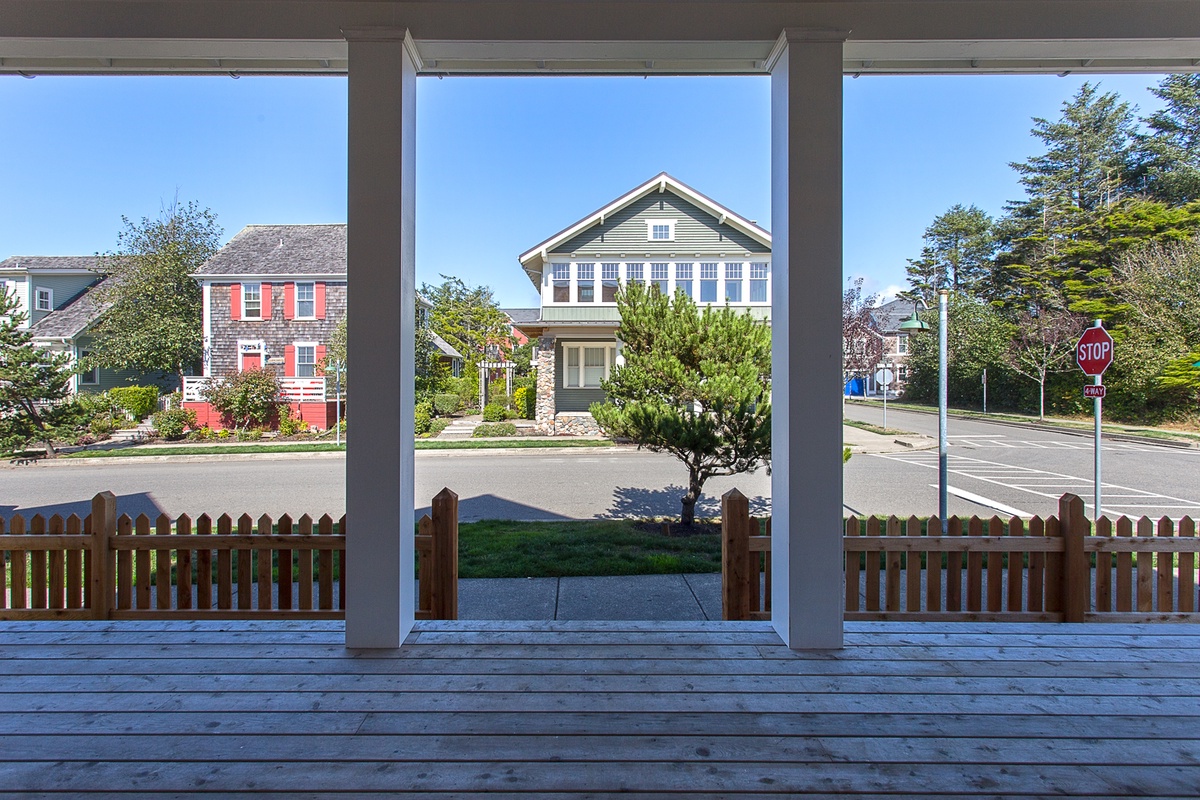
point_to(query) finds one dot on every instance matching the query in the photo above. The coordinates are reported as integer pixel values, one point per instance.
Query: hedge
(139, 401)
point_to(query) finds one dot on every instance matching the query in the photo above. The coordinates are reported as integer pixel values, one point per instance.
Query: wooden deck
(907, 709)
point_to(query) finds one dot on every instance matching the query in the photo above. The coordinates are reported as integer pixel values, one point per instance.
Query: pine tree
(694, 384)
(32, 381)
(1172, 145)
(959, 247)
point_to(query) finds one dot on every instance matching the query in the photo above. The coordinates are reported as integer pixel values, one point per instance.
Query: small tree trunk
(688, 501)
(1042, 399)
(41, 426)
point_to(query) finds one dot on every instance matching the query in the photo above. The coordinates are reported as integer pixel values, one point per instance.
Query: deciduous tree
(694, 384)
(861, 348)
(1043, 343)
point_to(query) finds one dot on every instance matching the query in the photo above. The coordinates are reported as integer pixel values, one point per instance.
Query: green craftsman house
(663, 233)
(57, 296)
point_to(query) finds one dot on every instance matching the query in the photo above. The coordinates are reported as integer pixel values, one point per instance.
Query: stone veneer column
(545, 386)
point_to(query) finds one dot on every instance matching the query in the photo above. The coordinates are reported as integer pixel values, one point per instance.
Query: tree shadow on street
(637, 502)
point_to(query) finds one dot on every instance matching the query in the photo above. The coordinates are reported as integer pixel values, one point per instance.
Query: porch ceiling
(595, 37)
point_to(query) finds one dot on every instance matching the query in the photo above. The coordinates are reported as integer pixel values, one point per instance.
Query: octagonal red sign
(1094, 351)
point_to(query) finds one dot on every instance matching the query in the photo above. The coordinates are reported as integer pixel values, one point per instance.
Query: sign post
(884, 378)
(1094, 354)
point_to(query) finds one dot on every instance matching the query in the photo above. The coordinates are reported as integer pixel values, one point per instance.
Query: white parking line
(979, 499)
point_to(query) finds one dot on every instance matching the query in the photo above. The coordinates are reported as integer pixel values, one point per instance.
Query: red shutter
(266, 300)
(289, 301)
(320, 356)
(319, 299)
(289, 361)
(235, 301)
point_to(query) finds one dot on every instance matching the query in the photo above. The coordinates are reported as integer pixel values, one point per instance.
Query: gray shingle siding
(276, 332)
(696, 231)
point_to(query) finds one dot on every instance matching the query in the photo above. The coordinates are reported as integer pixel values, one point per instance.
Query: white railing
(291, 390)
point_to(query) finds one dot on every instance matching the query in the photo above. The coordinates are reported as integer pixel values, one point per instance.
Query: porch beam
(380, 604)
(806, 225)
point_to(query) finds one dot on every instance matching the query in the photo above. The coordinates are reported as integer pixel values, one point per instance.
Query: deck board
(178, 708)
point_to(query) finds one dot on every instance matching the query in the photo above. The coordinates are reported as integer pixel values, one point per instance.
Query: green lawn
(313, 447)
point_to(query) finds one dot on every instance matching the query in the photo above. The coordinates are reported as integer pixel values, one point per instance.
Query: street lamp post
(914, 324)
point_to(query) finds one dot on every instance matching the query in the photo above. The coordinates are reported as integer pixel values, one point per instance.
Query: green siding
(580, 312)
(64, 287)
(573, 399)
(112, 378)
(625, 231)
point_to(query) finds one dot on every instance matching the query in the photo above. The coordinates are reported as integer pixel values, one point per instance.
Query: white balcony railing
(291, 390)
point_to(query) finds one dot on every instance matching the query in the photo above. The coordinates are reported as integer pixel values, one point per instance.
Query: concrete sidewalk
(637, 597)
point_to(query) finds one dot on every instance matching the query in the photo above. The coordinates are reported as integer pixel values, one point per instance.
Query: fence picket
(1053, 596)
(1103, 598)
(224, 566)
(325, 566)
(975, 568)
(1124, 568)
(853, 566)
(37, 565)
(183, 563)
(75, 577)
(1035, 582)
(892, 576)
(264, 566)
(954, 569)
(341, 559)
(912, 568)
(933, 569)
(57, 578)
(1016, 566)
(284, 559)
(872, 567)
(1145, 567)
(124, 566)
(1166, 569)
(995, 568)
(1187, 569)
(3, 572)
(204, 565)
(305, 558)
(245, 566)
(162, 566)
(141, 561)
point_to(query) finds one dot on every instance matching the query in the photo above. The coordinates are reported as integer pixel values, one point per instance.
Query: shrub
(202, 434)
(249, 434)
(249, 397)
(173, 423)
(493, 412)
(497, 429)
(422, 416)
(223, 433)
(101, 427)
(437, 426)
(289, 425)
(525, 402)
(467, 387)
(139, 401)
(445, 403)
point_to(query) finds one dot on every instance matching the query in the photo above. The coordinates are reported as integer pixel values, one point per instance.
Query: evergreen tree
(958, 250)
(1171, 147)
(154, 314)
(695, 384)
(32, 382)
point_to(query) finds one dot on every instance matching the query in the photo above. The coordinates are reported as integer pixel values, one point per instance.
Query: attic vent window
(660, 230)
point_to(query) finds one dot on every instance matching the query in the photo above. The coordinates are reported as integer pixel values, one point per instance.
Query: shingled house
(273, 297)
(57, 294)
(663, 233)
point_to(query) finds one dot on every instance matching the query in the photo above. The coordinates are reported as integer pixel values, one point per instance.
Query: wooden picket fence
(1056, 569)
(105, 566)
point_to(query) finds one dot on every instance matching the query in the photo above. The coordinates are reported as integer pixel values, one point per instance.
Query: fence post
(735, 556)
(1076, 583)
(104, 527)
(444, 597)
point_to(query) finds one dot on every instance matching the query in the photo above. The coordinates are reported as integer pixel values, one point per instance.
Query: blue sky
(503, 163)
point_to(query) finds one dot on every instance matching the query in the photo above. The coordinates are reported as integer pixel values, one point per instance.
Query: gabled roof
(444, 346)
(280, 251)
(72, 319)
(534, 258)
(889, 315)
(520, 315)
(49, 263)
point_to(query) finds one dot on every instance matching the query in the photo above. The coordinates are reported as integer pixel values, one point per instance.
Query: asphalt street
(994, 468)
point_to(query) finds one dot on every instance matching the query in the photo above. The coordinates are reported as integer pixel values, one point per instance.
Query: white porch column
(806, 303)
(381, 276)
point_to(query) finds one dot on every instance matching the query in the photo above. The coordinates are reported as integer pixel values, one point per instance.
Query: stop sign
(1094, 351)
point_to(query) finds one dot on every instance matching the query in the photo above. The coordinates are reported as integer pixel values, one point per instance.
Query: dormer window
(633, 272)
(660, 230)
(758, 282)
(610, 276)
(585, 283)
(562, 282)
(658, 276)
(43, 299)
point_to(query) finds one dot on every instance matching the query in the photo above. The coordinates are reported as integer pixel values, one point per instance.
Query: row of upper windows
(684, 280)
(301, 300)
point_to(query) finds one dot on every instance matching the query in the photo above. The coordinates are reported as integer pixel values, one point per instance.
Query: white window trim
(37, 306)
(612, 357)
(296, 300)
(650, 223)
(242, 301)
(245, 346)
(296, 365)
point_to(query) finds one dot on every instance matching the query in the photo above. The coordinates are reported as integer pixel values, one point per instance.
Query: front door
(251, 361)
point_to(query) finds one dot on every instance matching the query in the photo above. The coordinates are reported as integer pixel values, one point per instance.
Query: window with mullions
(251, 301)
(758, 283)
(708, 282)
(683, 278)
(659, 276)
(562, 283)
(585, 283)
(587, 365)
(733, 283)
(902, 344)
(633, 273)
(306, 361)
(610, 279)
(306, 300)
